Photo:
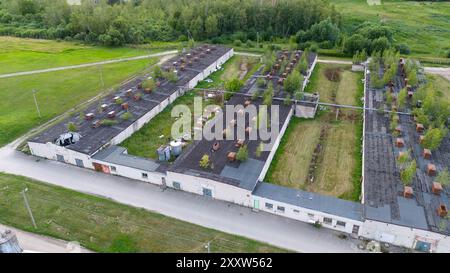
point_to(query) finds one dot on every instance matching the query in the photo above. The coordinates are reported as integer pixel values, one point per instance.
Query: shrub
(237, 43)
(72, 127)
(149, 84)
(433, 138)
(242, 153)
(108, 122)
(126, 116)
(157, 72)
(407, 174)
(204, 162)
(443, 177)
(171, 76)
(403, 49)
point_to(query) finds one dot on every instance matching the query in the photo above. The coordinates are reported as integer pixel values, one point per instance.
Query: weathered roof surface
(93, 139)
(383, 190)
(117, 155)
(246, 173)
(309, 200)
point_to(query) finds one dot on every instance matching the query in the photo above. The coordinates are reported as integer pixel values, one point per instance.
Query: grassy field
(336, 166)
(441, 85)
(19, 54)
(57, 92)
(147, 139)
(423, 26)
(241, 67)
(106, 226)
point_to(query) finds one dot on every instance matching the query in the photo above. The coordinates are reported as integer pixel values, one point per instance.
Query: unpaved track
(159, 54)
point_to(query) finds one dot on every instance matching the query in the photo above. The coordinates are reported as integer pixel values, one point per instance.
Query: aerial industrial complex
(414, 216)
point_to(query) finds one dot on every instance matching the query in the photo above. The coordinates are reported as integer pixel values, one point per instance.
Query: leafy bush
(242, 153)
(72, 127)
(204, 161)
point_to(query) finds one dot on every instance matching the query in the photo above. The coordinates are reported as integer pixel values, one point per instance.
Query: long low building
(117, 116)
(384, 214)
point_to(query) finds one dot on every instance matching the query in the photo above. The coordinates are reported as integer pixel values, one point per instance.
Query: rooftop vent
(408, 192)
(419, 127)
(231, 156)
(239, 143)
(436, 188)
(129, 93)
(111, 114)
(89, 116)
(216, 146)
(431, 169)
(442, 210)
(399, 142)
(137, 97)
(96, 123)
(426, 153)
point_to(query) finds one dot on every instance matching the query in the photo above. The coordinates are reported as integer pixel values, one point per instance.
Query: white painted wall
(50, 151)
(404, 236)
(308, 75)
(307, 215)
(133, 173)
(220, 190)
(275, 146)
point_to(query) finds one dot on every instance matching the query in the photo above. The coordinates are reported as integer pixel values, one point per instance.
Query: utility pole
(208, 246)
(35, 102)
(28, 207)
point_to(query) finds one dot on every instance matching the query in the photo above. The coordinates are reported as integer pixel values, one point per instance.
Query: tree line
(136, 21)
(305, 23)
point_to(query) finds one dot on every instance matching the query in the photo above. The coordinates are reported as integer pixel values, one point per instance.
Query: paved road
(192, 208)
(88, 64)
(443, 71)
(32, 243)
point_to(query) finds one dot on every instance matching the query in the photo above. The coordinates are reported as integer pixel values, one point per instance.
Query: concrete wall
(50, 151)
(404, 236)
(306, 79)
(133, 173)
(275, 147)
(303, 111)
(221, 191)
(306, 215)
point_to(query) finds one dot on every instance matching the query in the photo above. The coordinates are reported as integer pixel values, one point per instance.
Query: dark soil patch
(333, 74)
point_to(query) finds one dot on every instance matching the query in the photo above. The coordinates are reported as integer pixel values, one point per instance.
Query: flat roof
(383, 190)
(93, 139)
(310, 200)
(246, 172)
(118, 155)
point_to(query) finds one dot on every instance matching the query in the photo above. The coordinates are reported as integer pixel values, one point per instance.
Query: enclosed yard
(106, 226)
(323, 155)
(158, 131)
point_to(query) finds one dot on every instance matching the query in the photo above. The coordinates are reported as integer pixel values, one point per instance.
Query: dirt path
(171, 52)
